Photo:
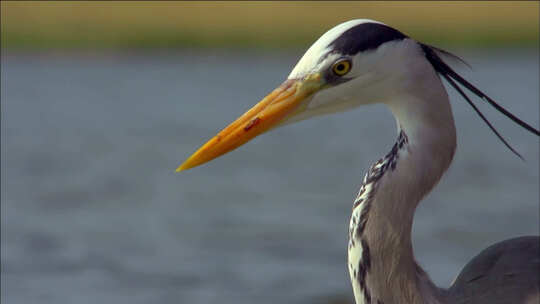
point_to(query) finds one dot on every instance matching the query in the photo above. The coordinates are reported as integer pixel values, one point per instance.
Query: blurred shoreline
(128, 25)
(166, 54)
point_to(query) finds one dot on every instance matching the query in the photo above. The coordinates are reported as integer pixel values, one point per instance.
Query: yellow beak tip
(183, 167)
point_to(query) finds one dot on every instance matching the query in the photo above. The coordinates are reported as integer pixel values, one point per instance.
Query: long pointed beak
(284, 101)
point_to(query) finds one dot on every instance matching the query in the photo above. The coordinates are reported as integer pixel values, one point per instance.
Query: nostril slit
(252, 123)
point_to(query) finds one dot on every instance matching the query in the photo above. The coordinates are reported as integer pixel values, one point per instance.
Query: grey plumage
(506, 272)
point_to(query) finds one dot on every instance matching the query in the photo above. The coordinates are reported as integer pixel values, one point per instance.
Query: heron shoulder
(506, 272)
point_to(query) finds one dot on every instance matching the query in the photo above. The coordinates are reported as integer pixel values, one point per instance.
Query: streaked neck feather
(381, 260)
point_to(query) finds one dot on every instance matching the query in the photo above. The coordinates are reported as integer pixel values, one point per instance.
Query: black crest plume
(454, 78)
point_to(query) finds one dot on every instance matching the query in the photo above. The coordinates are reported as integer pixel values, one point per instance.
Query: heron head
(357, 62)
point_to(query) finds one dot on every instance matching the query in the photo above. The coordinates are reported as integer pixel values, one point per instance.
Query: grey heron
(361, 62)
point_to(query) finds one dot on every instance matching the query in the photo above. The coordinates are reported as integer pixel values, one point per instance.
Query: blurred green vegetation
(79, 25)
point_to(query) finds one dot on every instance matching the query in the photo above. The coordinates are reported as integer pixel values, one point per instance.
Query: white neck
(381, 260)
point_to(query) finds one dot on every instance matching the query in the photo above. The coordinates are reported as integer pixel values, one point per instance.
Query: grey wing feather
(505, 273)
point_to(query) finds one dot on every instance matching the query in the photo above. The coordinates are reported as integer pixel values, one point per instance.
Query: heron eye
(341, 67)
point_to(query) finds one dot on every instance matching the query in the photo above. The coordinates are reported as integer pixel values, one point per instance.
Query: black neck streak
(365, 198)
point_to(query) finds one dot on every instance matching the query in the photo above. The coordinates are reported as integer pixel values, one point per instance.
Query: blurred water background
(92, 210)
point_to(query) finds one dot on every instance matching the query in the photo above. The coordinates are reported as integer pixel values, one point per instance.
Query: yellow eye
(341, 67)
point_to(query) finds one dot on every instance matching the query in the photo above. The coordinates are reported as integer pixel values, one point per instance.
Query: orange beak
(285, 101)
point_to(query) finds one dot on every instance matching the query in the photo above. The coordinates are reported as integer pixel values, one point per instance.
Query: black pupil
(340, 67)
